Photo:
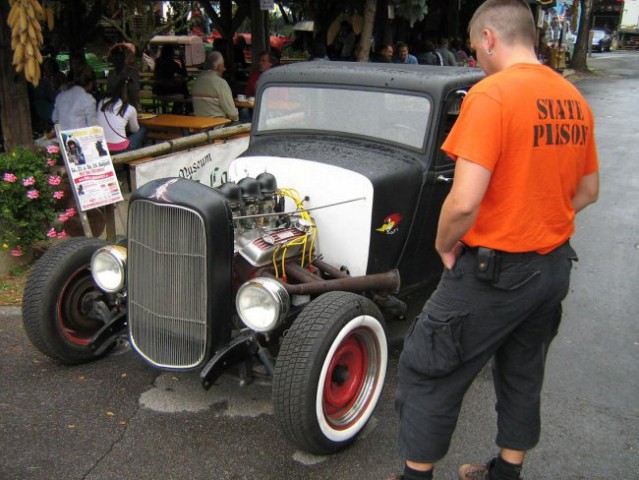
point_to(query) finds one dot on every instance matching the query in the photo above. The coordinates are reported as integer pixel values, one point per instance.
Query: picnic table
(168, 127)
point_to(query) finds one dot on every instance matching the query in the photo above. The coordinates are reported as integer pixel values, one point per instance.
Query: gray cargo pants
(467, 321)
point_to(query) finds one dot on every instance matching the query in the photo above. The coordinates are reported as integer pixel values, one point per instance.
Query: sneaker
(476, 472)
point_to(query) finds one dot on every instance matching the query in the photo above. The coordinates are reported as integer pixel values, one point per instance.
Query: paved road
(121, 419)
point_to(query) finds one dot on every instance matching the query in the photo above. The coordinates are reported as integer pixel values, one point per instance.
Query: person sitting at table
(403, 56)
(170, 77)
(116, 115)
(266, 61)
(212, 96)
(75, 106)
(122, 56)
(383, 55)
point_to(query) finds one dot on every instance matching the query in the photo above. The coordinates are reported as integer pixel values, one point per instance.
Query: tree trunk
(259, 32)
(15, 116)
(383, 26)
(578, 61)
(367, 30)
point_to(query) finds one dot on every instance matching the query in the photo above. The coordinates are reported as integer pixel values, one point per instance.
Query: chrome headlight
(262, 303)
(108, 267)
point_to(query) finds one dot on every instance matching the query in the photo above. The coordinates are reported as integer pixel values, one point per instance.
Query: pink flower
(69, 212)
(51, 162)
(27, 182)
(10, 177)
(33, 194)
(51, 233)
(58, 194)
(54, 180)
(62, 234)
(53, 149)
(16, 252)
(63, 217)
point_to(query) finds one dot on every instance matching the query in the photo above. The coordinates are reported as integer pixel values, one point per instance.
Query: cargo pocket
(433, 347)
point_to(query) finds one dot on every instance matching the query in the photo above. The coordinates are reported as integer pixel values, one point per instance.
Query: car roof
(434, 80)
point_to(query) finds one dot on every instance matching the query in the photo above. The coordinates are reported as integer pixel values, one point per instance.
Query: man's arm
(227, 105)
(587, 191)
(460, 207)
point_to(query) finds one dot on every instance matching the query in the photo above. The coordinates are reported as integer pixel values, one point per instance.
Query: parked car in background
(601, 41)
(290, 270)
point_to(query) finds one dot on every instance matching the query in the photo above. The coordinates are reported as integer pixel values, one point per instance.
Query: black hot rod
(293, 267)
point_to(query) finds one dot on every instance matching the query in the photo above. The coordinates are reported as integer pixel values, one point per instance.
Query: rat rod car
(291, 268)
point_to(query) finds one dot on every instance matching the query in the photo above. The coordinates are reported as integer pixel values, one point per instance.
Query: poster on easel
(89, 166)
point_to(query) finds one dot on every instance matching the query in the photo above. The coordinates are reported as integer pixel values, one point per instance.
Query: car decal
(162, 191)
(391, 224)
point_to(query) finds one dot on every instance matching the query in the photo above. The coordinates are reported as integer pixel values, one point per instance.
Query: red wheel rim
(346, 377)
(74, 324)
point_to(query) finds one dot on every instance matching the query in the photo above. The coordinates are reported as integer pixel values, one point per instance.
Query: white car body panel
(343, 231)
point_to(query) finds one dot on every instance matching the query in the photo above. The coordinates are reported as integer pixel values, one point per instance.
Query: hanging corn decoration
(26, 37)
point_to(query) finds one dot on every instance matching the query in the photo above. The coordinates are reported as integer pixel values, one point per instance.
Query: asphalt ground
(121, 419)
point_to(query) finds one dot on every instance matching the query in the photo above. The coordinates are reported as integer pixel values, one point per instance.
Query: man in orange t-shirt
(526, 163)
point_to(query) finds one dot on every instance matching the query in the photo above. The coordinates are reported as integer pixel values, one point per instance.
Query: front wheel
(56, 306)
(330, 372)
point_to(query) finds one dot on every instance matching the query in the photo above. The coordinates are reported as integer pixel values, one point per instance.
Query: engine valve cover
(259, 252)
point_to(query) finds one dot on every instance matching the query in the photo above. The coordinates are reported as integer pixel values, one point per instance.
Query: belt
(512, 255)
(501, 253)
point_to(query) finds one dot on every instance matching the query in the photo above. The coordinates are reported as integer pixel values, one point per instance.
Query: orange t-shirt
(534, 131)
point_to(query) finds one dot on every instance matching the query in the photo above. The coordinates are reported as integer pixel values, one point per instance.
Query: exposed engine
(264, 233)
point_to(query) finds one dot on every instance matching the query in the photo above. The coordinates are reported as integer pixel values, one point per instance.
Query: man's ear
(488, 39)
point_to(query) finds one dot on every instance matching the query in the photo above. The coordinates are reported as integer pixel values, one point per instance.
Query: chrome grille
(167, 284)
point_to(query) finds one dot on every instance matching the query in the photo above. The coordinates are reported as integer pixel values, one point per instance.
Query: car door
(420, 263)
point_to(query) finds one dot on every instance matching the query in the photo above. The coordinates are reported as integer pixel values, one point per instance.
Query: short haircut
(213, 59)
(512, 20)
(401, 45)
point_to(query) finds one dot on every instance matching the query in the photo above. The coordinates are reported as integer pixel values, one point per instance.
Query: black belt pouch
(487, 264)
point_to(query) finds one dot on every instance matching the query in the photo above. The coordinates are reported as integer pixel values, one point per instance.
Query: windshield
(393, 117)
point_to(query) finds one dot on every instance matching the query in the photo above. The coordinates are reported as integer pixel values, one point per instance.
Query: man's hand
(450, 257)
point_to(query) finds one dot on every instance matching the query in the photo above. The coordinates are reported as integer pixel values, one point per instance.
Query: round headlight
(262, 304)
(108, 268)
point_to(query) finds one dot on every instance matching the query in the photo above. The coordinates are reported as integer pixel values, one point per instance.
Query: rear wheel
(57, 301)
(330, 372)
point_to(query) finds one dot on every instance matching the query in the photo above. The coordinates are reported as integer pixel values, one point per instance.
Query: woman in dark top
(170, 76)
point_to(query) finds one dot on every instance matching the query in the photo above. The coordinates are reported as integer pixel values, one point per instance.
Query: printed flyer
(89, 166)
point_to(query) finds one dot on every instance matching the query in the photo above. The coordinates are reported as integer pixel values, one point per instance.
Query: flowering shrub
(30, 195)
